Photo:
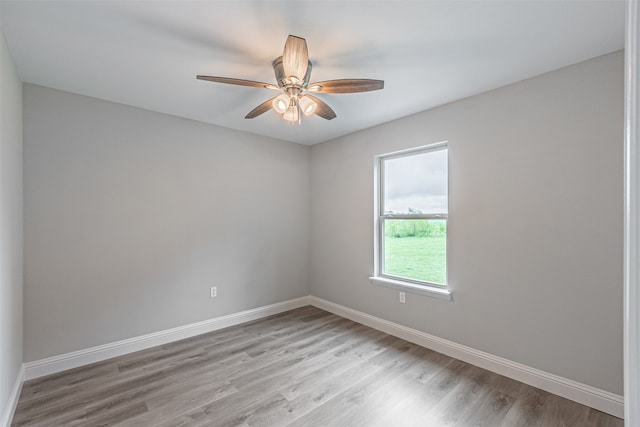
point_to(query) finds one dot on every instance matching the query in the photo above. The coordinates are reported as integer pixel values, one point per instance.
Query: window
(411, 216)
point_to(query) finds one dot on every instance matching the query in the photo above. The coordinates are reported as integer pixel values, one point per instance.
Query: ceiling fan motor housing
(284, 80)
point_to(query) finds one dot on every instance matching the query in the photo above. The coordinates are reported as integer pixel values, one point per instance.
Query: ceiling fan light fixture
(293, 74)
(281, 103)
(308, 106)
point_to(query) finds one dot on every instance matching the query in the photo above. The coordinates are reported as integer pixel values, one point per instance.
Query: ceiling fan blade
(239, 82)
(260, 109)
(295, 57)
(322, 110)
(346, 86)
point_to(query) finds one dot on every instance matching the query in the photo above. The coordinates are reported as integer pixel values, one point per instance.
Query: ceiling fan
(293, 71)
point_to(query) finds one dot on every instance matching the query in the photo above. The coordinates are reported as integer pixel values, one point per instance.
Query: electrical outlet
(403, 297)
(213, 292)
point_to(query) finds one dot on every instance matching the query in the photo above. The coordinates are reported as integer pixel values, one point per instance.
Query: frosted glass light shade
(307, 105)
(292, 114)
(281, 103)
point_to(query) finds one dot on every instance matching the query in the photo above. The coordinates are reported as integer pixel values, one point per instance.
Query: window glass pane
(416, 249)
(416, 183)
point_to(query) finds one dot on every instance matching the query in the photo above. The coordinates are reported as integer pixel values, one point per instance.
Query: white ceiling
(147, 53)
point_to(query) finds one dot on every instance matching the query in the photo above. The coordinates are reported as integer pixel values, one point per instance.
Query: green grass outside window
(416, 249)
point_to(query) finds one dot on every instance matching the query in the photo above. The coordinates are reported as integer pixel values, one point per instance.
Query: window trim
(436, 290)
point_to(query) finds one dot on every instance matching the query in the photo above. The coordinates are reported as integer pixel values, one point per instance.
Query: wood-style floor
(305, 367)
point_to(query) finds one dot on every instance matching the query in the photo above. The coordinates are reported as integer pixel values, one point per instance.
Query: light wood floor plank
(305, 368)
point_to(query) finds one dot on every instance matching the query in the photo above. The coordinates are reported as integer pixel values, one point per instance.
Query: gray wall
(10, 225)
(130, 217)
(535, 218)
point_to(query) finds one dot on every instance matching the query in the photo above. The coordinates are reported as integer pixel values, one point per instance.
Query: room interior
(130, 188)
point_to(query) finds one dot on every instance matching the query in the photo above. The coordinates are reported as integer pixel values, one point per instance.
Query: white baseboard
(78, 358)
(6, 414)
(601, 400)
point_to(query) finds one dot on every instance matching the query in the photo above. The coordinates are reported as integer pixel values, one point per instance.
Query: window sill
(429, 291)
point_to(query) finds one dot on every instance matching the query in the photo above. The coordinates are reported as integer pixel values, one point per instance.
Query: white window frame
(436, 290)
